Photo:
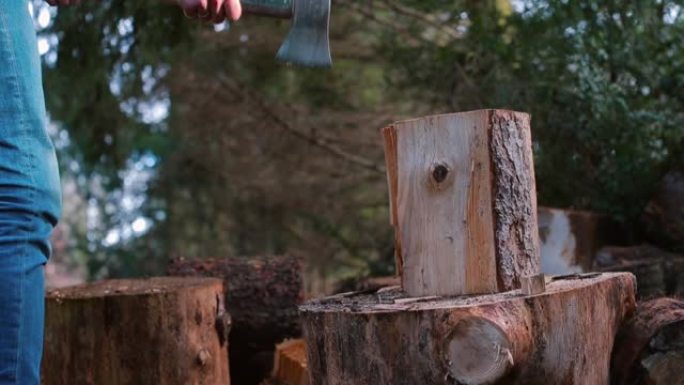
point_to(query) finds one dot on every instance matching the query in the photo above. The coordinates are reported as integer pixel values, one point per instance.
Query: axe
(307, 43)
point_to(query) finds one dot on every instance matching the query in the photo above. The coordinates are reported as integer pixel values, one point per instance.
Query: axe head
(307, 43)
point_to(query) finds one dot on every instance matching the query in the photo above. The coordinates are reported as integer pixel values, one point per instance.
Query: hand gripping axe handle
(308, 42)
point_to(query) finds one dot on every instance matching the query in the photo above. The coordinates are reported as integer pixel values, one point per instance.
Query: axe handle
(274, 8)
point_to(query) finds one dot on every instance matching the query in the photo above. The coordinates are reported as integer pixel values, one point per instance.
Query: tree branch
(317, 141)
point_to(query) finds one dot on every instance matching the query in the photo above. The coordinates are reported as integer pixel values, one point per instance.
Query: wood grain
(462, 201)
(262, 294)
(164, 331)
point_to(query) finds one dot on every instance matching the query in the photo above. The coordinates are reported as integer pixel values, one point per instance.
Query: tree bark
(162, 331)
(262, 295)
(463, 202)
(649, 350)
(563, 336)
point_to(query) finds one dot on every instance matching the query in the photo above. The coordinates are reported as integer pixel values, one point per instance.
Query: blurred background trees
(180, 139)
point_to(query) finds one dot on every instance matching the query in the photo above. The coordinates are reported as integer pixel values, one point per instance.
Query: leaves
(252, 157)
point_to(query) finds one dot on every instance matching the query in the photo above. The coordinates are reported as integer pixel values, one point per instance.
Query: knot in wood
(479, 352)
(440, 172)
(203, 357)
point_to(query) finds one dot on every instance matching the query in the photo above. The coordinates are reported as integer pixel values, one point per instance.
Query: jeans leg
(29, 197)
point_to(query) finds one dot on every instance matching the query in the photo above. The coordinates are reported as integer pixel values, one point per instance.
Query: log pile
(649, 349)
(262, 295)
(163, 331)
(658, 272)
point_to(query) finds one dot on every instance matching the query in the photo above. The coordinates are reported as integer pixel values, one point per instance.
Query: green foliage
(109, 59)
(254, 157)
(602, 80)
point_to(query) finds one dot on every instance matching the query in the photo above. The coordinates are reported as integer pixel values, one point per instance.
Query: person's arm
(208, 10)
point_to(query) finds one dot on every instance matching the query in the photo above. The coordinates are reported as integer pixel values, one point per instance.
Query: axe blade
(307, 43)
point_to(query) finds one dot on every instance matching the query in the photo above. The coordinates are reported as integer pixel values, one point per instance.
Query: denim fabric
(29, 197)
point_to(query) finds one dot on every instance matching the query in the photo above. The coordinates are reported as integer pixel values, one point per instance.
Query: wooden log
(463, 202)
(564, 336)
(289, 366)
(649, 349)
(663, 218)
(658, 272)
(162, 331)
(262, 295)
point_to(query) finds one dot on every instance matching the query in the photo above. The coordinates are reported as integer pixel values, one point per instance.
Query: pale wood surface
(162, 331)
(444, 229)
(564, 336)
(290, 367)
(463, 202)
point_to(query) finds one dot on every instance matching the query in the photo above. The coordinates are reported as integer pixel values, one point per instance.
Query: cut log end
(479, 352)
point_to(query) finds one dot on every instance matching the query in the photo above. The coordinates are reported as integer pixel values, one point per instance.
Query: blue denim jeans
(29, 197)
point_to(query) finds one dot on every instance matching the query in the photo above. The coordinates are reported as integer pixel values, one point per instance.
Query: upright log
(262, 295)
(463, 202)
(162, 331)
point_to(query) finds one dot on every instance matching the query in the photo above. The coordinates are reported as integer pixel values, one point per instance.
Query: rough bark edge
(390, 143)
(635, 334)
(513, 198)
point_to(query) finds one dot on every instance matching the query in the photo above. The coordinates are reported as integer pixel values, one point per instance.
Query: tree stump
(262, 295)
(649, 349)
(564, 336)
(463, 202)
(162, 331)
